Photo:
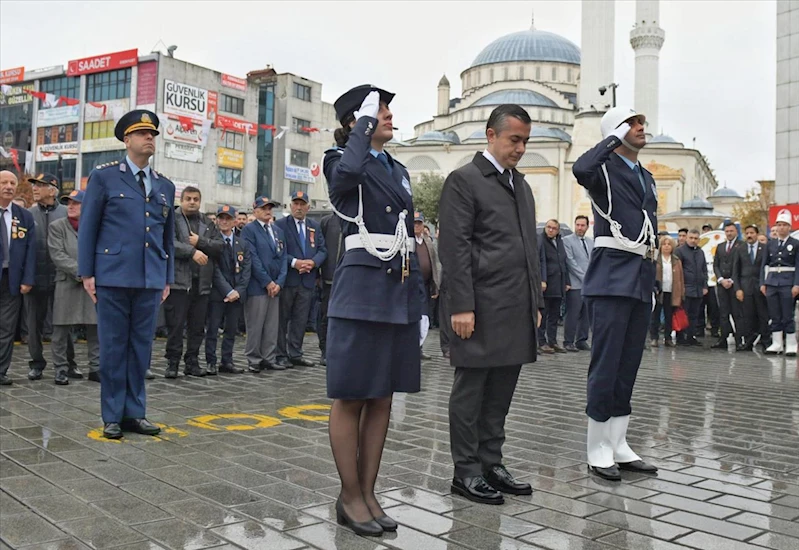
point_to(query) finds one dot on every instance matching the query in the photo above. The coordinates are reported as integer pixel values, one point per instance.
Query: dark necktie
(504, 177)
(752, 252)
(384, 161)
(729, 246)
(4, 235)
(301, 228)
(584, 246)
(640, 178)
(140, 177)
(231, 256)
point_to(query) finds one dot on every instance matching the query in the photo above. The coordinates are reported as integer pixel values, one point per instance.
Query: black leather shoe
(284, 363)
(210, 370)
(558, 349)
(5, 380)
(477, 490)
(94, 376)
(140, 426)
(61, 378)
(74, 372)
(583, 346)
(721, 344)
(695, 343)
(570, 347)
(611, 473)
(255, 369)
(364, 528)
(111, 430)
(149, 375)
(386, 523)
(301, 362)
(230, 368)
(743, 347)
(171, 370)
(34, 374)
(502, 480)
(194, 370)
(638, 466)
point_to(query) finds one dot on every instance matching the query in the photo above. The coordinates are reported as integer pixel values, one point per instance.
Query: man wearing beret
(125, 257)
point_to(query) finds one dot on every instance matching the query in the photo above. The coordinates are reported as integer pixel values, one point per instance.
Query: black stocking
(373, 427)
(343, 429)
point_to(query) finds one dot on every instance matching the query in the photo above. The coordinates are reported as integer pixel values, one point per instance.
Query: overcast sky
(717, 66)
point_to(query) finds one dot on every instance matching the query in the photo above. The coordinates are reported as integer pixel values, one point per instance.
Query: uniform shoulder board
(107, 164)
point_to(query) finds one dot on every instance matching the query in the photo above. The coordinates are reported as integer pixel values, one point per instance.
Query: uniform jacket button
(388, 271)
(147, 199)
(146, 245)
(147, 214)
(147, 229)
(106, 251)
(388, 209)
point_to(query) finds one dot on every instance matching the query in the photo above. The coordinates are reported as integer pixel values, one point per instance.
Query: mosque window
(538, 73)
(521, 72)
(505, 74)
(554, 73)
(491, 75)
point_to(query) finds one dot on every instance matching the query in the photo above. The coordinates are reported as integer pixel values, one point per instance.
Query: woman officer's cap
(350, 101)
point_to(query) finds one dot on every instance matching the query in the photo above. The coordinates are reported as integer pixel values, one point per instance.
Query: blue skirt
(369, 360)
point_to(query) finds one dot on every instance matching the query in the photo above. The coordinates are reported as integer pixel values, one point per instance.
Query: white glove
(371, 105)
(621, 131)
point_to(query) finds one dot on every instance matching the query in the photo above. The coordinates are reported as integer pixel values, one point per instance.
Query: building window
(297, 125)
(65, 86)
(68, 167)
(569, 75)
(554, 73)
(266, 115)
(297, 186)
(57, 134)
(98, 130)
(490, 75)
(521, 73)
(232, 140)
(228, 176)
(538, 74)
(302, 92)
(232, 104)
(505, 73)
(299, 158)
(108, 85)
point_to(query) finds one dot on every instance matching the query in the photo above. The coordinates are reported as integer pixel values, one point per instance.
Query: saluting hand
(194, 238)
(199, 257)
(370, 106)
(88, 286)
(463, 324)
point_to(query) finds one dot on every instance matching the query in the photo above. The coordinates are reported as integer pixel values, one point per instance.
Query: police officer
(375, 303)
(125, 257)
(619, 284)
(779, 283)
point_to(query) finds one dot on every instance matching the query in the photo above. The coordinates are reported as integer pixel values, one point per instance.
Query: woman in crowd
(671, 287)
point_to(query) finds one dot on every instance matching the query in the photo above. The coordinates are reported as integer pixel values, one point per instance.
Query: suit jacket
(268, 258)
(367, 288)
(71, 304)
(314, 250)
(331, 229)
(210, 243)
(126, 239)
(232, 271)
(694, 270)
(577, 259)
(22, 250)
(616, 272)
(557, 273)
(45, 270)
(490, 262)
(723, 262)
(746, 273)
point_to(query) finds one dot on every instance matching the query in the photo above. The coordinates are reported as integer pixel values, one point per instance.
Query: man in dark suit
(746, 273)
(726, 285)
(489, 257)
(126, 255)
(305, 252)
(694, 270)
(331, 229)
(231, 278)
(18, 255)
(557, 285)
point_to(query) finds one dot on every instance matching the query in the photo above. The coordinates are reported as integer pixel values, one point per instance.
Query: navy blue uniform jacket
(268, 259)
(774, 256)
(615, 272)
(314, 250)
(126, 239)
(365, 287)
(22, 252)
(232, 271)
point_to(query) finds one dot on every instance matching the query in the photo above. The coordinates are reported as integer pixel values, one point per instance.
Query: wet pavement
(245, 462)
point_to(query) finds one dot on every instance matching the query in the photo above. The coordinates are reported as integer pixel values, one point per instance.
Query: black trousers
(185, 308)
(228, 313)
(10, 305)
(322, 331)
(754, 317)
(663, 305)
(575, 328)
(693, 308)
(478, 405)
(445, 333)
(37, 306)
(548, 331)
(710, 306)
(729, 306)
(295, 303)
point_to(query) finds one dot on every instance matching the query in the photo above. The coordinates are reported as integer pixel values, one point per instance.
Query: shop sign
(173, 130)
(58, 115)
(230, 158)
(112, 109)
(189, 101)
(230, 124)
(234, 82)
(68, 150)
(146, 83)
(7, 76)
(102, 144)
(102, 63)
(16, 95)
(184, 152)
(298, 173)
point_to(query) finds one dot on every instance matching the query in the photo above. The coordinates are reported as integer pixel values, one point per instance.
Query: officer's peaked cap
(351, 100)
(140, 119)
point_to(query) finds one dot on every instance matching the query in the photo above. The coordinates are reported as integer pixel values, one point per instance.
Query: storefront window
(108, 85)
(64, 86)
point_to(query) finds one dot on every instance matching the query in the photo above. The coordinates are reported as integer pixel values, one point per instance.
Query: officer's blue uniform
(785, 258)
(618, 285)
(126, 241)
(373, 330)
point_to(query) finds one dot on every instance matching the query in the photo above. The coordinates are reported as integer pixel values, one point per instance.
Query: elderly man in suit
(754, 307)
(427, 254)
(71, 305)
(578, 251)
(18, 254)
(305, 252)
(489, 257)
(558, 284)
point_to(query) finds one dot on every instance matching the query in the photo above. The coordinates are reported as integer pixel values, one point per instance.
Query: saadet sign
(776, 210)
(185, 100)
(102, 63)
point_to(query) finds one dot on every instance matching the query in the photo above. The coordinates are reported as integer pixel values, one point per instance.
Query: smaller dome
(517, 97)
(443, 81)
(696, 203)
(663, 138)
(726, 192)
(479, 134)
(550, 133)
(439, 137)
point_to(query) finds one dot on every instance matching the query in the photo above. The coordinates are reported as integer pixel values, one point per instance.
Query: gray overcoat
(71, 304)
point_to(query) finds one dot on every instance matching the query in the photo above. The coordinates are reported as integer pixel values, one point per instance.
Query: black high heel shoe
(386, 523)
(369, 528)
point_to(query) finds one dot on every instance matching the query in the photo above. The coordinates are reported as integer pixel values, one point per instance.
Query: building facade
(786, 188)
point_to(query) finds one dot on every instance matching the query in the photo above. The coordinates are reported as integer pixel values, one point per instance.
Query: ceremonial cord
(647, 231)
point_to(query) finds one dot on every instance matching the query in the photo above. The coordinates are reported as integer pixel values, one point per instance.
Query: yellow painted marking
(206, 422)
(166, 432)
(299, 414)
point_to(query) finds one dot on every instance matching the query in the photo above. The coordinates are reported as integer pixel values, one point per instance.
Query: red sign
(12, 75)
(213, 102)
(102, 63)
(229, 124)
(146, 83)
(234, 82)
(793, 209)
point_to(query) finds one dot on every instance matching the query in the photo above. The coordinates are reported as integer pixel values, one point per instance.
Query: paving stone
(570, 524)
(27, 487)
(29, 528)
(777, 541)
(622, 504)
(677, 489)
(330, 537)
(59, 471)
(696, 506)
(628, 522)
(425, 521)
(557, 540)
(562, 504)
(57, 508)
(130, 510)
(292, 495)
(255, 536)
(101, 534)
(225, 493)
(10, 506)
(635, 541)
(63, 544)
(491, 521)
(705, 541)
(277, 516)
(179, 535)
(757, 507)
(480, 539)
(426, 500)
(737, 490)
(156, 491)
(202, 513)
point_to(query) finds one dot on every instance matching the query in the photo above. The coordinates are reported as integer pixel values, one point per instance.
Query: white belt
(610, 242)
(380, 240)
(780, 269)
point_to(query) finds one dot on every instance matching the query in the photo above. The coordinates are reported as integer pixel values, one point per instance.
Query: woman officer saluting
(375, 303)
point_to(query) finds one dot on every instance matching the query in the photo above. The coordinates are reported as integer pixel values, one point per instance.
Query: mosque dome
(517, 97)
(726, 192)
(438, 137)
(551, 133)
(663, 138)
(529, 45)
(696, 203)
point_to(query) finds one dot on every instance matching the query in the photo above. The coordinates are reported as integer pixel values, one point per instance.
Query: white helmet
(615, 117)
(784, 216)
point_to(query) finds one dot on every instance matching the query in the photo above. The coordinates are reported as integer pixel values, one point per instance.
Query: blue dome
(696, 203)
(439, 137)
(529, 45)
(726, 192)
(516, 97)
(552, 133)
(663, 138)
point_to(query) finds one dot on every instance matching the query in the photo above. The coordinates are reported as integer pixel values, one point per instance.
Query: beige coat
(71, 304)
(677, 281)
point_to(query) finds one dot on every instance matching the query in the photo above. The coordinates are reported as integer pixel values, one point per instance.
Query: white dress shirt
(499, 168)
(667, 275)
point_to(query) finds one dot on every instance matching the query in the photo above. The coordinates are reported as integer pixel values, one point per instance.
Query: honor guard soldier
(125, 257)
(779, 283)
(619, 284)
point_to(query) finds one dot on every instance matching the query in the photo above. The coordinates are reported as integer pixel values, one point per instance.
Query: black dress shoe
(638, 466)
(570, 347)
(743, 347)
(612, 473)
(502, 480)
(140, 426)
(284, 363)
(34, 374)
(301, 362)
(171, 370)
(583, 346)
(477, 490)
(61, 378)
(211, 370)
(230, 368)
(255, 369)
(194, 370)
(93, 376)
(74, 372)
(364, 528)
(5, 380)
(558, 349)
(111, 430)
(721, 344)
(386, 523)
